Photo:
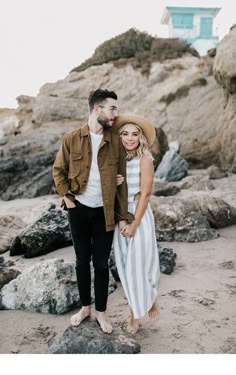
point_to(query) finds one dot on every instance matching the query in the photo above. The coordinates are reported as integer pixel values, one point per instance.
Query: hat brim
(146, 126)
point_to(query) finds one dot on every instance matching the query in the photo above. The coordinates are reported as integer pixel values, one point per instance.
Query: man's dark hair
(98, 96)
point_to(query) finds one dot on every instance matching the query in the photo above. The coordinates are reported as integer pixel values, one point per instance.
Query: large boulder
(178, 220)
(225, 73)
(88, 338)
(191, 218)
(10, 226)
(49, 232)
(47, 287)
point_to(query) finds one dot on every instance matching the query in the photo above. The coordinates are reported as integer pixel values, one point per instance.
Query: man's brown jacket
(72, 166)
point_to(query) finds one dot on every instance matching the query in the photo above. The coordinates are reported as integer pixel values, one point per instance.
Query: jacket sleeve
(61, 168)
(121, 205)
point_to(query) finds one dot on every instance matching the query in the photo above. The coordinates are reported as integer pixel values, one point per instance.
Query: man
(85, 171)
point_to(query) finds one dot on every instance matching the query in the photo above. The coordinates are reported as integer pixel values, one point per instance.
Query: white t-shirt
(92, 197)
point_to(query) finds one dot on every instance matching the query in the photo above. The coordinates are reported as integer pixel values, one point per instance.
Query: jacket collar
(106, 133)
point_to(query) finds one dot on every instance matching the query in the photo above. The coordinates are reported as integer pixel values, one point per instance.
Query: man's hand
(69, 203)
(119, 179)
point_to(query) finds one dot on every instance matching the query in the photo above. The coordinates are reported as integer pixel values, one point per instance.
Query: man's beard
(104, 122)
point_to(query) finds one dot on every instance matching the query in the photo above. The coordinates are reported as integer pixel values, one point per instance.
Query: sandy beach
(197, 301)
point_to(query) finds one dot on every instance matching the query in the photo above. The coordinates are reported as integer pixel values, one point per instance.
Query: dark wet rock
(164, 189)
(26, 165)
(26, 177)
(47, 287)
(112, 266)
(211, 52)
(88, 338)
(167, 260)
(47, 233)
(172, 167)
(7, 274)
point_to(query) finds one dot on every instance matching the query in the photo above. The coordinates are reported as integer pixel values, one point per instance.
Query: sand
(197, 301)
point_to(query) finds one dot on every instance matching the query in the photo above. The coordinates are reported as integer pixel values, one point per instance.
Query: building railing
(184, 32)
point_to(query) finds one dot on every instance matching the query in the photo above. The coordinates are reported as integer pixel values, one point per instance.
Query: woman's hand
(129, 230)
(119, 179)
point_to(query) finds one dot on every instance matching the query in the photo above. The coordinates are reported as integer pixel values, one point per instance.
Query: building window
(206, 26)
(182, 21)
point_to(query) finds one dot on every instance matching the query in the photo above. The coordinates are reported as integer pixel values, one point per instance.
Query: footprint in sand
(232, 288)
(227, 265)
(205, 302)
(176, 293)
(229, 346)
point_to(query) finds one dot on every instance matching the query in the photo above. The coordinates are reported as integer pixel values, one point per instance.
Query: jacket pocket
(75, 164)
(76, 156)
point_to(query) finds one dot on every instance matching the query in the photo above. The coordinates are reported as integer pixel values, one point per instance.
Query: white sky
(42, 40)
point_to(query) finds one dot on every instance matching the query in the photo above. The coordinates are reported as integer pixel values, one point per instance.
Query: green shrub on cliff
(141, 47)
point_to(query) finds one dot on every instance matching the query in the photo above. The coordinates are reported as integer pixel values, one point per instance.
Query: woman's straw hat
(131, 118)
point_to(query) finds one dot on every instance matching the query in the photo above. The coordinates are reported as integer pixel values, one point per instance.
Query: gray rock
(47, 233)
(3, 140)
(191, 219)
(180, 220)
(196, 183)
(215, 172)
(172, 167)
(10, 226)
(48, 287)
(88, 338)
(218, 213)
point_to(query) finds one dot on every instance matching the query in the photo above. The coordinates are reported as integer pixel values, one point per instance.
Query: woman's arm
(146, 181)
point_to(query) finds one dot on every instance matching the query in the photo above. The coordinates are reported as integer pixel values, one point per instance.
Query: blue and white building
(194, 24)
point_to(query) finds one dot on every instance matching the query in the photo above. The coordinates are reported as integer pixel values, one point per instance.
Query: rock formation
(225, 73)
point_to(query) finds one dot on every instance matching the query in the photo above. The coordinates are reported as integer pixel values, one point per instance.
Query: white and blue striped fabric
(137, 258)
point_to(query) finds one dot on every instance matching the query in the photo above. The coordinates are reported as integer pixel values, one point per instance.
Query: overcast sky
(42, 40)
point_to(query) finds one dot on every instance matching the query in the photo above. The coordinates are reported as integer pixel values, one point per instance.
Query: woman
(134, 242)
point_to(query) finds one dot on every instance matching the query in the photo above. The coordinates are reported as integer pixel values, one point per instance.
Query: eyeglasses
(112, 110)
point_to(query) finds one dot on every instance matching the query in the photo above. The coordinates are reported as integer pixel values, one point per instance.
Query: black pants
(90, 239)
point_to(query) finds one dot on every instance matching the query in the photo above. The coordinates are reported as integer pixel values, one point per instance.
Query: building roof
(169, 9)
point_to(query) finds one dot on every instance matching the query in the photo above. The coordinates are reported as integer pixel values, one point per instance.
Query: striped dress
(137, 258)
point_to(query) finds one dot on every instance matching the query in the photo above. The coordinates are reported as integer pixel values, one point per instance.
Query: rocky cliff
(181, 96)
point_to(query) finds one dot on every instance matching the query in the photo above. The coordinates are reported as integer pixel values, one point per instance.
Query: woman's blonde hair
(143, 148)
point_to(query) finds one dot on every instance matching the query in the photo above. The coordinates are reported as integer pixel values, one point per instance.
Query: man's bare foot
(84, 313)
(154, 310)
(103, 322)
(133, 326)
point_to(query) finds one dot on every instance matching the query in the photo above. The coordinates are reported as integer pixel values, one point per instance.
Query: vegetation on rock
(140, 47)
